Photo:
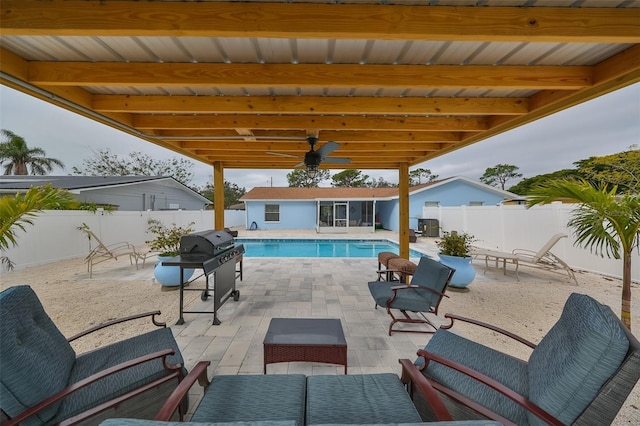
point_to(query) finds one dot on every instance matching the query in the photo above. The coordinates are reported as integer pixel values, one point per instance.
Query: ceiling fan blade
(299, 164)
(283, 155)
(337, 160)
(328, 148)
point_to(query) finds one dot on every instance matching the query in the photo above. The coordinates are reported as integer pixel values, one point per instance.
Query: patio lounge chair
(543, 258)
(103, 252)
(580, 373)
(423, 295)
(43, 381)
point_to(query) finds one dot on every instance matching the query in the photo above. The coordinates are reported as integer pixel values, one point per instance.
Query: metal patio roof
(395, 83)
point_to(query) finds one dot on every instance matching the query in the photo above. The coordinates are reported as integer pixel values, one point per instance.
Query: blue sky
(606, 125)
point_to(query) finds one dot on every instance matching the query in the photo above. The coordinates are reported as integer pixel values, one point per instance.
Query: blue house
(357, 210)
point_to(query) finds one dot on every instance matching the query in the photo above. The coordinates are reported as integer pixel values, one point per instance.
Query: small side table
(498, 256)
(305, 340)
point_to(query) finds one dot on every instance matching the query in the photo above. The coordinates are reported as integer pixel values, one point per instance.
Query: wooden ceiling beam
(332, 21)
(122, 74)
(361, 105)
(301, 148)
(291, 122)
(365, 155)
(337, 136)
(361, 165)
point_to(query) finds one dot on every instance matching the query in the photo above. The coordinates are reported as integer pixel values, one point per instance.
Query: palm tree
(18, 211)
(603, 221)
(20, 157)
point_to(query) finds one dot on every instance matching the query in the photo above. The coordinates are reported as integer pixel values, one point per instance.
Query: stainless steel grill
(216, 253)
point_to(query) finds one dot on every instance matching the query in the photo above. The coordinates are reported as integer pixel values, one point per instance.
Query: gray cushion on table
(356, 399)
(509, 371)
(576, 357)
(35, 358)
(253, 398)
(119, 383)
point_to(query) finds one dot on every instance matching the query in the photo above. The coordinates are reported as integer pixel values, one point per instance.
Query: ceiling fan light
(312, 171)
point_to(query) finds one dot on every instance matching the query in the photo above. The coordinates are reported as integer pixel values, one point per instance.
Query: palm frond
(18, 212)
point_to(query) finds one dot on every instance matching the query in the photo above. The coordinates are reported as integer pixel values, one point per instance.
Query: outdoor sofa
(295, 399)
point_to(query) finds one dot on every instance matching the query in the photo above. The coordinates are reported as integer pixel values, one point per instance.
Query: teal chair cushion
(409, 299)
(576, 357)
(509, 371)
(355, 399)
(35, 358)
(140, 422)
(117, 384)
(252, 398)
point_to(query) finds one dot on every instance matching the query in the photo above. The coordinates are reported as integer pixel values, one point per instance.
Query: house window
(272, 213)
(476, 203)
(432, 203)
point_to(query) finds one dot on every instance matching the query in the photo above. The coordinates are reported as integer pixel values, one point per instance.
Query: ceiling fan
(312, 158)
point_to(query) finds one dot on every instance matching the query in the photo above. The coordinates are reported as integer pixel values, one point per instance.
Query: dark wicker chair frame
(602, 409)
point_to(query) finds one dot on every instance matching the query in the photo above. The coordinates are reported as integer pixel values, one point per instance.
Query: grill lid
(211, 243)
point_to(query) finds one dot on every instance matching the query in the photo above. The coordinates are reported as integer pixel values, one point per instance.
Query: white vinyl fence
(54, 235)
(509, 227)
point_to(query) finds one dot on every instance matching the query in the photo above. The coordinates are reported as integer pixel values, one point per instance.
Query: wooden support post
(403, 200)
(218, 195)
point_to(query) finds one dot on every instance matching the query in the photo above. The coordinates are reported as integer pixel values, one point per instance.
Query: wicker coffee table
(306, 340)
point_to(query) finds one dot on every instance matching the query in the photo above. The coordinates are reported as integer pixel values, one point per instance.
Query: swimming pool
(318, 248)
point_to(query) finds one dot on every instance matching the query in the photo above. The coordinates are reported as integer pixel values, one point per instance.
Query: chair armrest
(119, 321)
(453, 317)
(524, 252)
(551, 259)
(176, 368)
(411, 374)
(120, 244)
(199, 373)
(405, 287)
(488, 381)
(99, 249)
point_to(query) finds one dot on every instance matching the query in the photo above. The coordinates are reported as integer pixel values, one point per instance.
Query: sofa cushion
(575, 358)
(509, 371)
(35, 358)
(140, 422)
(355, 399)
(119, 383)
(253, 397)
(444, 423)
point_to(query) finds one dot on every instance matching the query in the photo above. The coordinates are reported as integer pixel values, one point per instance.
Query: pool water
(318, 248)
